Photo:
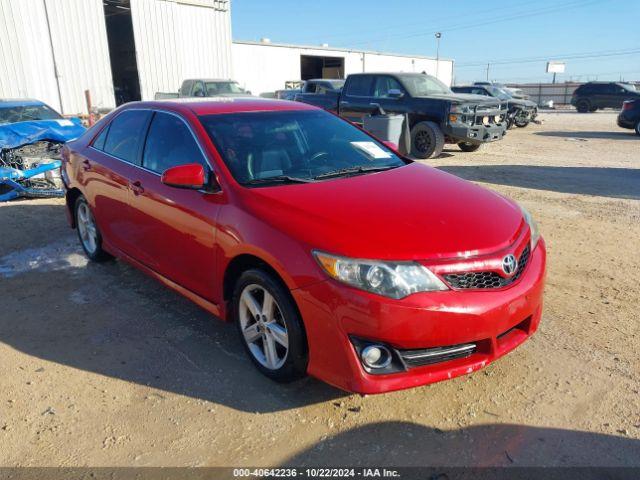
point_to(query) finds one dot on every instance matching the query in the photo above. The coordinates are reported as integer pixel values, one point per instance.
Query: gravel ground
(102, 366)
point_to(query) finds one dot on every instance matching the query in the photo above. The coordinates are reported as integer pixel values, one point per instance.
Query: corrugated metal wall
(180, 39)
(79, 39)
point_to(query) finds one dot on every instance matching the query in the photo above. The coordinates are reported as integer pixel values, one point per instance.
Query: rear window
(359, 85)
(126, 135)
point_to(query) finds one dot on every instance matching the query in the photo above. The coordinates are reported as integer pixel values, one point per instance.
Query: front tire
(88, 232)
(469, 147)
(427, 140)
(270, 326)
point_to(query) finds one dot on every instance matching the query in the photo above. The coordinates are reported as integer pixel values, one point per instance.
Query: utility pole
(488, 65)
(438, 35)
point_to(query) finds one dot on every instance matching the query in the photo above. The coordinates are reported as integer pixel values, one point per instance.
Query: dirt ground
(102, 366)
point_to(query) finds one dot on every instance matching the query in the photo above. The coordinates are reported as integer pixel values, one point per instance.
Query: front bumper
(497, 321)
(475, 133)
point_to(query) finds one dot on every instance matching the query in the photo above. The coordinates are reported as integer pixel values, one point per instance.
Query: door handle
(342, 102)
(136, 188)
(86, 165)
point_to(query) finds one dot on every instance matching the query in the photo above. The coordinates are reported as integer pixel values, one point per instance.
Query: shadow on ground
(408, 444)
(605, 182)
(113, 320)
(621, 135)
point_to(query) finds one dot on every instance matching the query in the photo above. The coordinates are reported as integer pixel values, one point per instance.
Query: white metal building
(263, 67)
(54, 50)
(123, 50)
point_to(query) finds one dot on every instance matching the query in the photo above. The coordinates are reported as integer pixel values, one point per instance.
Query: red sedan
(332, 254)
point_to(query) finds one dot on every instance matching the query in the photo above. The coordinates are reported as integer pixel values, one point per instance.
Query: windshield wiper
(355, 170)
(278, 179)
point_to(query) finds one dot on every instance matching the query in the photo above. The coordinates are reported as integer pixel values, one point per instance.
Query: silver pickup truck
(202, 87)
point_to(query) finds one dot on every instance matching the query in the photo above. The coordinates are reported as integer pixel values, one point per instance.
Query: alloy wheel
(263, 327)
(87, 228)
(422, 141)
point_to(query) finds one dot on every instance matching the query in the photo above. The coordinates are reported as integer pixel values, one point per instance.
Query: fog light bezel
(385, 355)
(394, 365)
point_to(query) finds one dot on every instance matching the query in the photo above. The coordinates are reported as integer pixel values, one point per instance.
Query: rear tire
(469, 147)
(427, 140)
(270, 326)
(638, 128)
(522, 123)
(593, 109)
(583, 106)
(88, 231)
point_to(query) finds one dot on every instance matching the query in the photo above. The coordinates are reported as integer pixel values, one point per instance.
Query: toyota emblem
(509, 264)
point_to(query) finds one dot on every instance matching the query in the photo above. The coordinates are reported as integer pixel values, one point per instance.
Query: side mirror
(191, 176)
(395, 93)
(393, 146)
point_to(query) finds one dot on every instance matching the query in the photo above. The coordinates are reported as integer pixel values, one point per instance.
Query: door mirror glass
(191, 175)
(395, 93)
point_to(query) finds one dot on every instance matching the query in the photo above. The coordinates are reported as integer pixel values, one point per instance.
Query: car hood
(414, 212)
(14, 135)
(522, 102)
(464, 98)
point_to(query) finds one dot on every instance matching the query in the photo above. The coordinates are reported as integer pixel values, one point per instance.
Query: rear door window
(360, 86)
(169, 144)
(125, 135)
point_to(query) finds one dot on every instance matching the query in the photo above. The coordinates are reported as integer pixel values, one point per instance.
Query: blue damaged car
(31, 136)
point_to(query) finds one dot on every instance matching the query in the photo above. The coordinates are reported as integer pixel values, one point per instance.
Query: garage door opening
(321, 67)
(122, 50)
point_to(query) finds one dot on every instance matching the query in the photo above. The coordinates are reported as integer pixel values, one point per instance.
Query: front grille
(428, 356)
(487, 279)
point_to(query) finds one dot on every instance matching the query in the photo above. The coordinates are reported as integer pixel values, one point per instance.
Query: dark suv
(594, 95)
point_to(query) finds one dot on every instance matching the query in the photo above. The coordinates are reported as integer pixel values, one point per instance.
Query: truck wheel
(521, 123)
(427, 140)
(469, 147)
(638, 128)
(593, 109)
(583, 106)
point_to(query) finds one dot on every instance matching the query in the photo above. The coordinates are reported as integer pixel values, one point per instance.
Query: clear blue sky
(473, 32)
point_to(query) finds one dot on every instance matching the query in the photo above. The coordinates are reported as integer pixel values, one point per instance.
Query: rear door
(106, 173)
(356, 98)
(175, 228)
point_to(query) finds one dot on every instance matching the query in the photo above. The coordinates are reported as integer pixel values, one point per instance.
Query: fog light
(376, 356)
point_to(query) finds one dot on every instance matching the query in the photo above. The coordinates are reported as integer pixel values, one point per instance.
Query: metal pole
(554, 77)
(488, 71)
(438, 35)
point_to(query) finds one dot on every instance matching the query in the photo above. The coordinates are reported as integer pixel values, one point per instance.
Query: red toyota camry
(332, 254)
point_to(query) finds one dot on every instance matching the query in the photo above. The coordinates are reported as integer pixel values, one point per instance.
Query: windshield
(298, 145)
(26, 113)
(499, 93)
(222, 88)
(336, 84)
(423, 85)
(629, 86)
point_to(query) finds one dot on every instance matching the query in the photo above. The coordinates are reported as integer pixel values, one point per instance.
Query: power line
(495, 20)
(570, 56)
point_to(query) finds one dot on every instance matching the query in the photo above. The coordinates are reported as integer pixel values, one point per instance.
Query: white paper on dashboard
(65, 123)
(371, 149)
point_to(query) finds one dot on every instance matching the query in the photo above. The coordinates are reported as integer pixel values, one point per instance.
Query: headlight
(390, 279)
(533, 226)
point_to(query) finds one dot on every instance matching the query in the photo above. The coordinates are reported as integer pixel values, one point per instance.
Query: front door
(175, 228)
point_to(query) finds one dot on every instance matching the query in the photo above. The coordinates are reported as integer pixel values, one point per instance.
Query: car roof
(18, 102)
(221, 105)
